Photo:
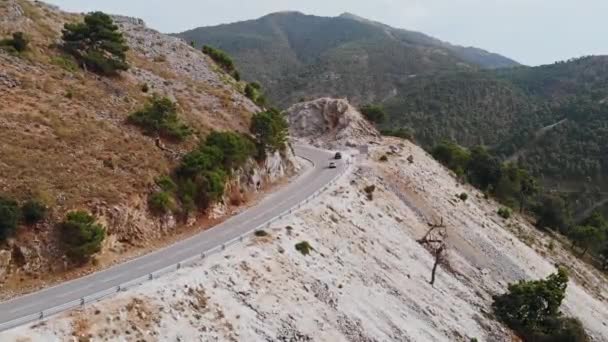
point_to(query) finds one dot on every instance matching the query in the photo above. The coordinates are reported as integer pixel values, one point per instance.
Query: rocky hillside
(65, 139)
(328, 123)
(295, 55)
(365, 277)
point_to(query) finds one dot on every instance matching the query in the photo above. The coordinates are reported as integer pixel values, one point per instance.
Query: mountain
(551, 118)
(295, 56)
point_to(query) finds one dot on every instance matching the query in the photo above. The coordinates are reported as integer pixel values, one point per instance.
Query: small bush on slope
(202, 175)
(505, 213)
(223, 60)
(33, 212)
(161, 202)
(159, 117)
(531, 308)
(374, 113)
(270, 130)
(81, 235)
(9, 217)
(253, 91)
(304, 247)
(18, 42)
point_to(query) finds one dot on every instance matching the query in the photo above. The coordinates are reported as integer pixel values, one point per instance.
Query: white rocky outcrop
(330, 123)
(366, 279)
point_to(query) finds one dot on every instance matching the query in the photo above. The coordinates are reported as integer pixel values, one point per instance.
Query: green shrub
(270, 130)
(166, 184)
(304, 247)
(97, 44)
(212, 186)
(374, 113)
(145, 88)
(261, 233)
(552, 212)
(81, 235)
(253, 91)
(402, 133)
(531, 308)
(201, 177)
(483, 169)
(18, 42)
(161, 203)
(202, 189)
(504, 213)
(463, 196)
(452, 156)
(204, 158)
(159, 117)
(586, 237)
(9, 217)
(64, 62)
(223, 60)
(384, 158)
(33, 212)
(236, 148)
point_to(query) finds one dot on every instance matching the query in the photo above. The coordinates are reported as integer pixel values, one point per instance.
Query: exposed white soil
(366, 279)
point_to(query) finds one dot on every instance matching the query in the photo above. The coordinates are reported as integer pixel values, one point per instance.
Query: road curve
(276, 203)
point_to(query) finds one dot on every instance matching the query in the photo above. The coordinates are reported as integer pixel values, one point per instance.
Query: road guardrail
(98, 296)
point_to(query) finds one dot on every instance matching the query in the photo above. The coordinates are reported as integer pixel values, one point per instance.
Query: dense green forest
(513, 186)
(294, 55)
(553, 119)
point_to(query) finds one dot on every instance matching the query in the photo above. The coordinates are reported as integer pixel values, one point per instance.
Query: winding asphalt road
(309, 182)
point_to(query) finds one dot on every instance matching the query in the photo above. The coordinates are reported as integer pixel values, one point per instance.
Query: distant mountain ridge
(295, 56)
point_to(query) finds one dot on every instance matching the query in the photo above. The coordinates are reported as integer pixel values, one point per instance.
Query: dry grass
(63, 132)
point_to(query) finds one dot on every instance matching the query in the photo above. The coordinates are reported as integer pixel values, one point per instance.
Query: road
(302, 187)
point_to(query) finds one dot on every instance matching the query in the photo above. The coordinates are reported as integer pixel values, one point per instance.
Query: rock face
(329, 123)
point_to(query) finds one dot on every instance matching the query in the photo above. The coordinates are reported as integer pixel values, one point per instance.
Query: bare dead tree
(435, 242)
(439, 258)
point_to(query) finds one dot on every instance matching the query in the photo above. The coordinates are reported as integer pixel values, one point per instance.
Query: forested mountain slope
(295, 55)
(553, 118)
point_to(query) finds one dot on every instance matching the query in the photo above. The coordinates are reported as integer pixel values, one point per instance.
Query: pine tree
(97, 44)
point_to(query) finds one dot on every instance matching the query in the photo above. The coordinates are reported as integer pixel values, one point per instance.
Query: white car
(332, 165)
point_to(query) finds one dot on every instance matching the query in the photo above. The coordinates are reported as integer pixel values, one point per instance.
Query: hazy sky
(530, 31)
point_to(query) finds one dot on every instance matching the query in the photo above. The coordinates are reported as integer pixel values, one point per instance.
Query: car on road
(332, 165)
(338, 156)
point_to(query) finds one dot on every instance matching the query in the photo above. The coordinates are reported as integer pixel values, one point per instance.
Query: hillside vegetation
(98, 114)
(551, 118)
(295, 55)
